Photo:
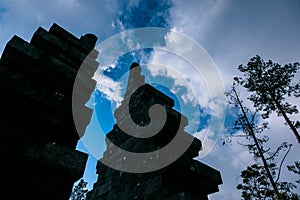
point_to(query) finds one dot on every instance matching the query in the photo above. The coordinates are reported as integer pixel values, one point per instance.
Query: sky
(230, 32)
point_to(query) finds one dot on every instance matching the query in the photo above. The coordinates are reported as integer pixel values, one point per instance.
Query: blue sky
(230, 31)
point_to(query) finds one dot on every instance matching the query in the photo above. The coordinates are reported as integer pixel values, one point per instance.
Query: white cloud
(216, 106)
(22, 17)
(196, 19)
(228, 51)
(110, 88)
(205, 135)
(233, 32)
(230, 33)
(196, 81)
(184, 75)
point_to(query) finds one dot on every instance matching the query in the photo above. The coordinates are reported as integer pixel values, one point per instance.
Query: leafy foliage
(260, 180)
(255, 184)
(79, 191)
(270, 84)
(295, 168)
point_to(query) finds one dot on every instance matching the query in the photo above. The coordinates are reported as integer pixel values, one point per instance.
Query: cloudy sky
(230, 33)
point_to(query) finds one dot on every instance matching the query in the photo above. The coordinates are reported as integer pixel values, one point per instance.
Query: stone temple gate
(38, 135)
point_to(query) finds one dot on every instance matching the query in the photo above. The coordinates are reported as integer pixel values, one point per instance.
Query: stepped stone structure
(38, 136)
(185, 178)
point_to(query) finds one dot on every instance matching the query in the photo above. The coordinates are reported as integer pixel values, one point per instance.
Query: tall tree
(270, 85)
(260, 180)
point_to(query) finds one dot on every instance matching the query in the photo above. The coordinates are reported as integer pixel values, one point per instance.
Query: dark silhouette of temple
(185, 178)
(38, 135)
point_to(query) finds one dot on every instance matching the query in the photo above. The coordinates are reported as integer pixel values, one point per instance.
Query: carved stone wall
(38, 136)
(185, 178)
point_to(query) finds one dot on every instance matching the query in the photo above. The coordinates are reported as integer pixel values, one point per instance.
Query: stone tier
(184, 179)
(37, 131)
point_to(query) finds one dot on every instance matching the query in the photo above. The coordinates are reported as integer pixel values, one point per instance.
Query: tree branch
(281, 163)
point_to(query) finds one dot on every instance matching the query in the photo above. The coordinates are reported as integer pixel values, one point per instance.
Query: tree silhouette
(262, 179)
(295, 168)
(256, 186)
(270, 85)
(79, 191)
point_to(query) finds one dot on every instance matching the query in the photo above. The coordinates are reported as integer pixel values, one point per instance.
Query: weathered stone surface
(37, 132)
(184, 179)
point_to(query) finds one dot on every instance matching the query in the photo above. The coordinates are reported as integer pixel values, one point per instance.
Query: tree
(270, 85)
(260, 180)
(79, 191)
(295, 168)
(256, 186)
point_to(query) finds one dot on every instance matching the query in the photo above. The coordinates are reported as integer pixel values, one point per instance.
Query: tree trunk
(287, 119)
(261, 155)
